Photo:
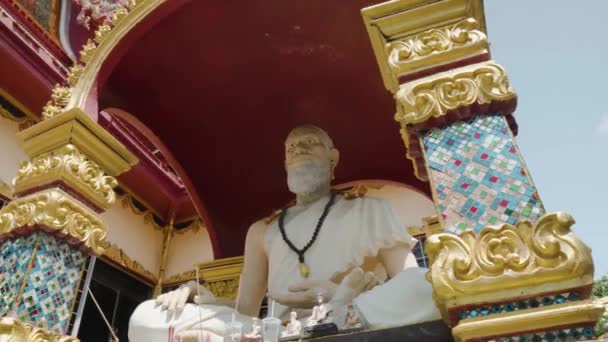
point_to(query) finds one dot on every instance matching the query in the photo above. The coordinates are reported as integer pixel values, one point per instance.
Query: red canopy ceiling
(221, 83)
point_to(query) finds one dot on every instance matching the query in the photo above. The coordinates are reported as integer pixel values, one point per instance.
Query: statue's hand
(176, 300)
(304, 294)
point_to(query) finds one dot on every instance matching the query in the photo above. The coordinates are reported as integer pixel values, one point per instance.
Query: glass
(271, 327)
(234, 332)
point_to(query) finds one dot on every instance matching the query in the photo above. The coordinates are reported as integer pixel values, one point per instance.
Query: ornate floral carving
(119, 257)
(508, 261)
(464, 37)
(59, 99)
(13, 330)
(97, 11)
(436, 95)
(58, 212)
(68, 164)
(74, 73)
(224, 288)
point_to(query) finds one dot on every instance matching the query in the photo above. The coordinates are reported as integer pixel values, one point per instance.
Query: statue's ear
(334, 156)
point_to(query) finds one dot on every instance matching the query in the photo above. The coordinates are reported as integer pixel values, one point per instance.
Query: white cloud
(602, 128)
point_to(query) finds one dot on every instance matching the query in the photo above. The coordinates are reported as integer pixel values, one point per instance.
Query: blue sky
(556, 56)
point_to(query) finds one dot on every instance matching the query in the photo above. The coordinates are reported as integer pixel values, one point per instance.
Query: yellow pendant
(304, 270)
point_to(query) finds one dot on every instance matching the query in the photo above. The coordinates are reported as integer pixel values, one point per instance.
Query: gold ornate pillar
(52, 225)
(515, 272)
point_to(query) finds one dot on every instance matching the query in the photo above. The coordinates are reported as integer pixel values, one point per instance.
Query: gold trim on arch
(83, 76)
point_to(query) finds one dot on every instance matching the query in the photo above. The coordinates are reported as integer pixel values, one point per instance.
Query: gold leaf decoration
(59, 99)
(68, 164)
(508, 261)
(13, 330)
(436, 95)
(118, 15)
(87, 50)
(74, 74)
(102, 32)
(224, 288)
(120, 258)
(59, 213)
(181, 277)
(409, 53)
(5, 190)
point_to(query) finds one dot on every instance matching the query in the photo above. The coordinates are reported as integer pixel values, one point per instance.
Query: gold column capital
(66, 164)
(14, 330)
(76, 128)
(57, 212)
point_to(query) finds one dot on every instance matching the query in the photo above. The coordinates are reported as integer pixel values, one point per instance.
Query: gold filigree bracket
(507, 262)
(68, 165)
(410, 36)
(436, 95)
(57, 212)
(14, 330)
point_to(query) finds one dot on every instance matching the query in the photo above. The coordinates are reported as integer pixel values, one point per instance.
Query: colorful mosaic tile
(567, 334)
(493, 309)
(15, 255)
(478, 176)
(52, 284)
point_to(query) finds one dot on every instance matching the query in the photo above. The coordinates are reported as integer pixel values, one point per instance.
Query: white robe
(354, 230)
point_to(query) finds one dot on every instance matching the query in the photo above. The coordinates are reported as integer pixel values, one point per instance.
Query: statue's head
(293, 315)
(310, 159)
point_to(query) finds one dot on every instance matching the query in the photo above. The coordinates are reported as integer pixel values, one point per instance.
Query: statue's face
(305, 147)
(309, 160)
(293, 315)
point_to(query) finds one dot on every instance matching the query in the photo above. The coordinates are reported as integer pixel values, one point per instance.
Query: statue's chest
(326, 249)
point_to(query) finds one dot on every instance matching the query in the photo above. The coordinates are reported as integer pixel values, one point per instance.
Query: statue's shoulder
(268, 220)
(355, 192)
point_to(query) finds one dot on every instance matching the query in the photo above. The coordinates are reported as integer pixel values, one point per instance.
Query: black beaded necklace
(304, 270)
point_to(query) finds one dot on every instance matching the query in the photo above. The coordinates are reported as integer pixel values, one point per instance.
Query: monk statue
(294, 327)
(352, 250)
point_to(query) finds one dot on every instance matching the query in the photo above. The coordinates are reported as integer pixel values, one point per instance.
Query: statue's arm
(397, 258)
(254, 278)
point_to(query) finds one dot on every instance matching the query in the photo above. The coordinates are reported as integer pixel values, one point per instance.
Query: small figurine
(294, 327)
(256, 331)
(319, 312)
(351, 320)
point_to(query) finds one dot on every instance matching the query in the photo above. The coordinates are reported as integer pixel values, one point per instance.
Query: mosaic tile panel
(493, 309)
(52, 284)
(478, 176)
(15, 255)
(561, 335)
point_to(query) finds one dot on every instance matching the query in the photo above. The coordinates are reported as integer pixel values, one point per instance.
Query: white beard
(308, 178)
